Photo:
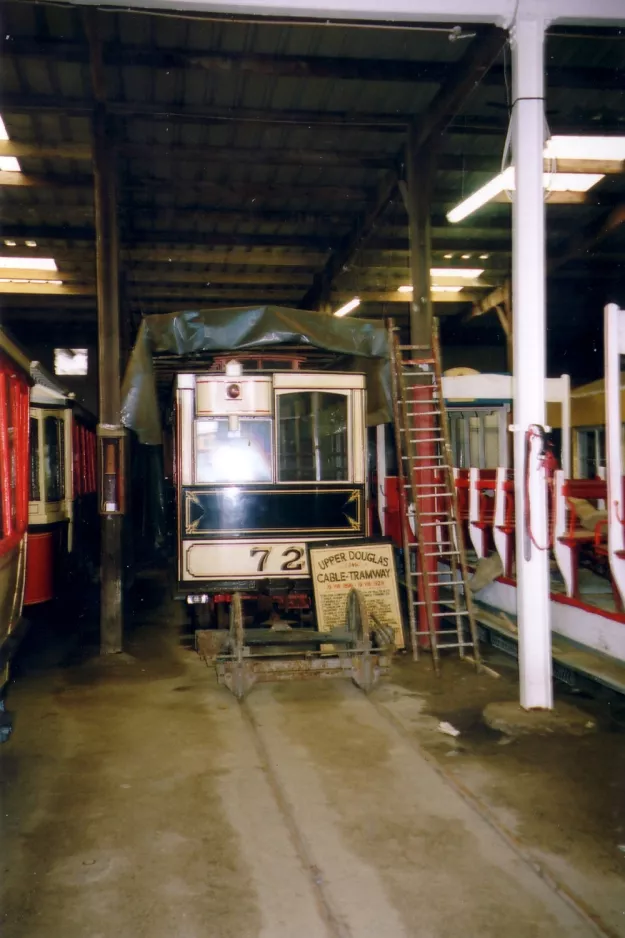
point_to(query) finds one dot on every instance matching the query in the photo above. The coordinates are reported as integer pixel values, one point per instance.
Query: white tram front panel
(265, 464)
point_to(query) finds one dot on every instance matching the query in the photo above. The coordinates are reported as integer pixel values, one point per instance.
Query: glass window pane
(312, 435)
(53, 456)
(35, 494)
(474, 442)
(491, 440)
(223, 455)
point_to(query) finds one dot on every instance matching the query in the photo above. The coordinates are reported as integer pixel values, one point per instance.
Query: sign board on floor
(367, 565)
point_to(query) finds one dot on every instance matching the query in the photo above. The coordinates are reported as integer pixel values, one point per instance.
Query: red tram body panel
(14, 390)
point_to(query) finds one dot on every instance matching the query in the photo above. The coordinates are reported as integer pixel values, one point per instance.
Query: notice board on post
(368, 565)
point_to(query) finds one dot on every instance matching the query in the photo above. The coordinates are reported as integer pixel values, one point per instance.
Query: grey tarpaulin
(362, 345)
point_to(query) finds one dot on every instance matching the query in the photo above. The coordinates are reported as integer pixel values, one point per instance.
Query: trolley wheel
(237, 638)
(358, 618)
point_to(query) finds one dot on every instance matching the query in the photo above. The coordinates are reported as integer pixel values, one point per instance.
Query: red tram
(62, 486)
(15, 383)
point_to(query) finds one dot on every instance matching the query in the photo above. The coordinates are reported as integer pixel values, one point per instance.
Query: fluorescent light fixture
(492, 188)
(555, 182)
(9, 164)
(484, 257)
(344, 310)
(11, 244)
(436, 288)
(30, 244)
(571, 182)
(585, 148)
(464, 273)
(27, 263)
(56, 283)
(448, 257)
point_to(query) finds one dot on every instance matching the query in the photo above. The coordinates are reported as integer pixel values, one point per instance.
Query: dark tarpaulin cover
(362, 345)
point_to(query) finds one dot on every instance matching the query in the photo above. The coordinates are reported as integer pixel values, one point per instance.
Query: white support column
(529, 333)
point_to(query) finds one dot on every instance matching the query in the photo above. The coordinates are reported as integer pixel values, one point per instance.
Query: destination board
(366, 565)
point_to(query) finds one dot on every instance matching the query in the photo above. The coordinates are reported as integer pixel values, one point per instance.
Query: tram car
(15, 384)
(265, 463)
(62, 510)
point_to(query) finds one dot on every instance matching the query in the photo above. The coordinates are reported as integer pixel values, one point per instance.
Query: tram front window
(225, 455)
(312, 437)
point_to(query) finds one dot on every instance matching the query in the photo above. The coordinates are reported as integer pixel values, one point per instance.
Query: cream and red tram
(62, 487)
(266, 463)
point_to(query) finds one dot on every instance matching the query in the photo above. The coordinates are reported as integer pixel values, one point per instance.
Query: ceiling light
(484, 257)
(585, 148)
(571, 182)
(406, 288)
(11, 244)
(465, 257)
(22, 280)
(30, 244)
(448, 257)
(344, 310)
(492, 188)
(9, 164)
(27, 263)
(439, 288)
(466, 273)
(555, 182)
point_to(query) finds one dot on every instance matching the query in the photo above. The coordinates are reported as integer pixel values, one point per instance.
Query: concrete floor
(139, 799)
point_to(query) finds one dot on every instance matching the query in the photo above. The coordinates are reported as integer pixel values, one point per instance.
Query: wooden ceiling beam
(342, 121)
(209, 155)
(58, 104)
(297, 66)
(238, 191)
(216, 239)
(268, 156)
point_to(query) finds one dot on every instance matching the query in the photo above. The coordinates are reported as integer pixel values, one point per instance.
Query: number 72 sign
(219, 560)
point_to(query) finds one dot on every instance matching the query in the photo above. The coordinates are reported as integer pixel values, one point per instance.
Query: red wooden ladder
(439, 601)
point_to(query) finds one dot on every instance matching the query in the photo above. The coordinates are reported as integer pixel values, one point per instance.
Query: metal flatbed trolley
(270, 458)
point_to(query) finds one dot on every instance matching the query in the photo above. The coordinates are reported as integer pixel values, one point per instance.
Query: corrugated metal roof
(196, 174)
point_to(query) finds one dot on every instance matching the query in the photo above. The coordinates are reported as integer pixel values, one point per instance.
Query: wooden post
(107, 272)
(109, 377)
(417, 196)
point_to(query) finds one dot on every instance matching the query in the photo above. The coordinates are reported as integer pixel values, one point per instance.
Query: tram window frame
(347, 394)
(54, 492)
(34, 481)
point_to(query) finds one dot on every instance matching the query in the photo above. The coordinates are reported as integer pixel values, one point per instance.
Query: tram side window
(12, 452)
(225, 455)
(35, 493)
(54, 459)
(312, 437)
(474, 439)
(590, 451)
